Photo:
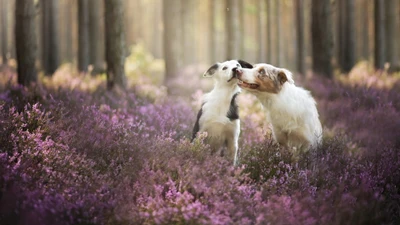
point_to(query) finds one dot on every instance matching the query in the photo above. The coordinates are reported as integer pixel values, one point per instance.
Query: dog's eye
(261, 72)
(225, 67)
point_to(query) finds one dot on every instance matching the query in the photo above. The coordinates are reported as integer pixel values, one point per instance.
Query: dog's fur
(219, 115)
(290, 109)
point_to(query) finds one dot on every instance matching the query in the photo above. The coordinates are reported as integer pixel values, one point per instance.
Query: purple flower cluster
(69, 157)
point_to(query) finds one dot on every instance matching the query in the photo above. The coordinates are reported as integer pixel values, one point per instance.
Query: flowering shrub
(50, 182)
(368, 113)
(83, 156)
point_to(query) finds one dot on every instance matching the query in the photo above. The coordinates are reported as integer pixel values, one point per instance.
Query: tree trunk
(278, 33)
(130, 28)
(392, 34)
(259, 32)
(269, 31)
(300, 35)
(380, 50)
(83, 35)
(242, 33)
(96, 51)
(115, 44)
(172, 42)
(321, 37)
(233, 45)
(68, 15)
(365, 29)
(25, 41)
(340, 32)
(187, 31)
(346, 35)
(12, 52)
(4, 30)
(212, 30)
(44, 48)
(50, 54)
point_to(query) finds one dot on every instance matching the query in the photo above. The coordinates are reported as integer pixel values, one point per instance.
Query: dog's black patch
(245, 64)
(233, 113)
(196, 127)
(212, 70)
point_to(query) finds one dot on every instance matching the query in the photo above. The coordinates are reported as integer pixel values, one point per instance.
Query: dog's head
(264, 78)
(227, 71)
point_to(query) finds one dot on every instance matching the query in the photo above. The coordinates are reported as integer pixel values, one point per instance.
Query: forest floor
(73, 153)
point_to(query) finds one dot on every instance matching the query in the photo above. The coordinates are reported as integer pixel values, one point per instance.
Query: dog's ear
(282, 78)
(210, 72)
(285, 76)
(245, 64)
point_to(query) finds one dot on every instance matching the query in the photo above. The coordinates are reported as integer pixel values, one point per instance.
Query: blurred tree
(277, 14)
(392, 34)
(242, 35)
(96, 37)
(187, 31)
(115, 44)
(131, 28)
(25, 41)
(172, 40)
(259, 31)
(156, 38)
(269, 30)
(233, 45)
(364, 22)
(212, 8)
(321, 37)
(66, 30)
(379, 22)
(50, 54)
(4, 30)
(339, 31)
(299, 12)
(83, 35)
(346, 29)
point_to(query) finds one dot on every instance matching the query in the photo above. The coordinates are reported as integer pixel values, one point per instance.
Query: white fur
(292, 111)
(216, 104)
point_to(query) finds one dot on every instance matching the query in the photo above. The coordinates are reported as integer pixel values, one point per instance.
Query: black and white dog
(219, 113)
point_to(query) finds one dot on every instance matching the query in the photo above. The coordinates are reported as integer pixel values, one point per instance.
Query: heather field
(73, 153)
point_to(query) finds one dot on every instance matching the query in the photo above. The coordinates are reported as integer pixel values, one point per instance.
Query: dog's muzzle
(236, 72)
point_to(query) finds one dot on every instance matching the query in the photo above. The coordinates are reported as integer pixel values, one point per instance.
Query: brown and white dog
(290, 109)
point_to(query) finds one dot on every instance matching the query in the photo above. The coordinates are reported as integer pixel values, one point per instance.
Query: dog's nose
(237, 71)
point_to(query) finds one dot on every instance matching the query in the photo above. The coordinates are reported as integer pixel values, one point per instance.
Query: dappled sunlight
(363, 74)
(68, 78)
(142, 67)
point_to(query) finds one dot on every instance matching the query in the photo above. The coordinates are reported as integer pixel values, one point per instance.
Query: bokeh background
(98, 100)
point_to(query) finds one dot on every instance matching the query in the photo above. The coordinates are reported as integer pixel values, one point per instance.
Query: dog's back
(294, 117)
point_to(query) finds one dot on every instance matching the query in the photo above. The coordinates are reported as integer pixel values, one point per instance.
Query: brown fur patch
(266, 81)
(267, 84)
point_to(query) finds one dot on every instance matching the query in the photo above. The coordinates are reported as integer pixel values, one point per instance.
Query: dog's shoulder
(196, 127)
(233, 112)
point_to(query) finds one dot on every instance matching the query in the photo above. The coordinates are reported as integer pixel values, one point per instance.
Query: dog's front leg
(232, 147)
